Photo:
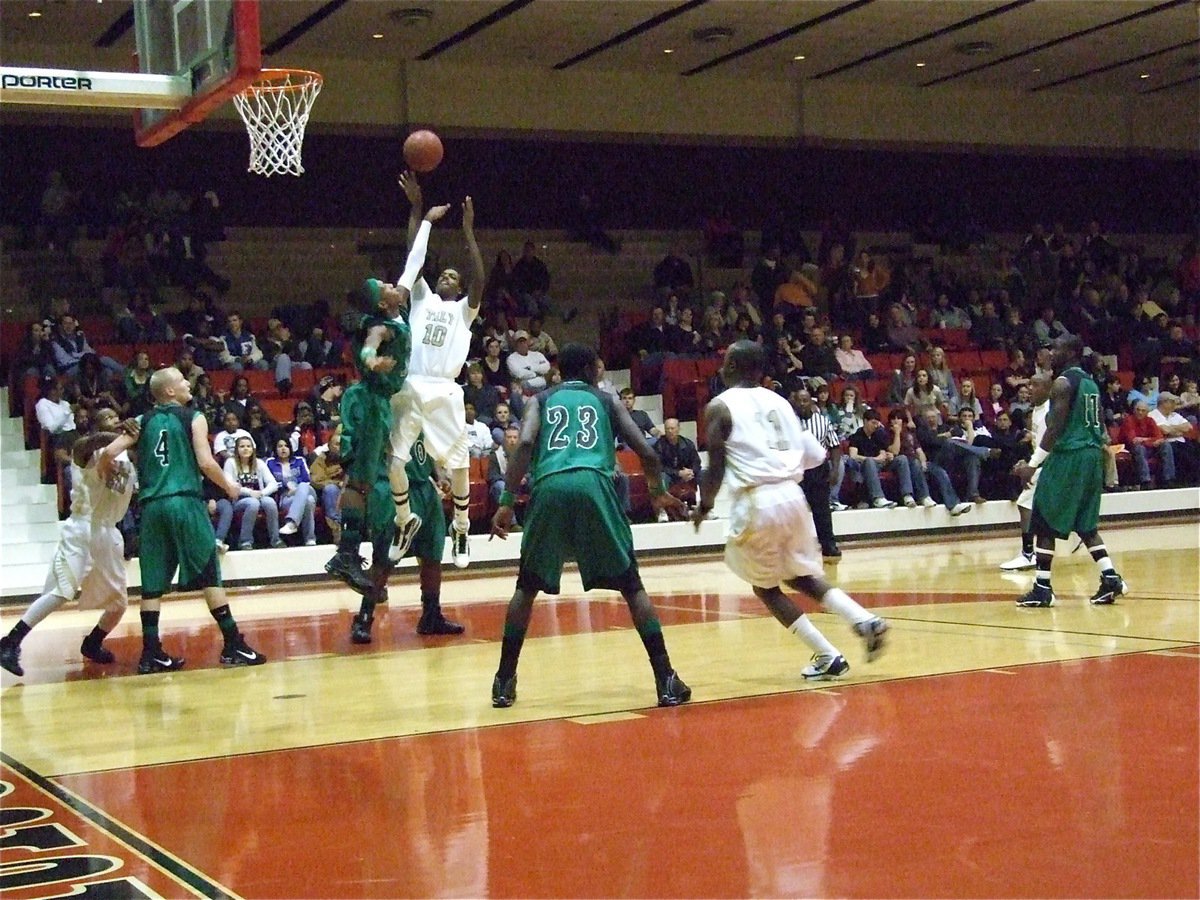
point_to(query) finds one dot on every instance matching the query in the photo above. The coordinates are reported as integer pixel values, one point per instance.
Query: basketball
(423, 151)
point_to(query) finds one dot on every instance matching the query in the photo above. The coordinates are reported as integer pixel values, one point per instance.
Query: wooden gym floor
(991, 752)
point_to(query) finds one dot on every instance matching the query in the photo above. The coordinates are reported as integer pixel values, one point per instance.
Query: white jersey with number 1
(766, 444)
(441, 333)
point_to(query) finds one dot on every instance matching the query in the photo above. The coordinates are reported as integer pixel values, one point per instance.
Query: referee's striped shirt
(819, 426)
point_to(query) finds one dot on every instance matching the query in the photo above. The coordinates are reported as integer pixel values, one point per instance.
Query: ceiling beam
(629, 33)
(1172, 84)
(778, 36)
(1116, 65)
(302, 27)
(116, 30)
(474, 28)
(1073, 36)
(928, 36)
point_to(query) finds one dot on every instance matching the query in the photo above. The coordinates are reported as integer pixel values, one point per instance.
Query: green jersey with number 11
(1084, 427)
(576, 431)
(166, 461)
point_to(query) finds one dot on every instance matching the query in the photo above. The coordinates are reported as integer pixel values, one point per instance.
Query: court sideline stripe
(176, 868)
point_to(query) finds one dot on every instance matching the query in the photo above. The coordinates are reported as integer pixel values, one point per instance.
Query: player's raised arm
(478, 275)
(204, 458)
(107, 459)
(416, 200)
(376, 335)
(718, 425)
(84, 447)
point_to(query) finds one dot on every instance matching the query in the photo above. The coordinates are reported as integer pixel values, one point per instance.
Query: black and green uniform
(430, 540)
(175, 531)
(366, 405)
(1071, 482)
(574, 512)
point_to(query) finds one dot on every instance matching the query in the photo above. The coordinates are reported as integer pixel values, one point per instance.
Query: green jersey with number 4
(576, 431)
(166, 462)
(1084, 428)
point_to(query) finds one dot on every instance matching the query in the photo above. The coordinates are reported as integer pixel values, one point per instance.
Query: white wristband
(1039, 457)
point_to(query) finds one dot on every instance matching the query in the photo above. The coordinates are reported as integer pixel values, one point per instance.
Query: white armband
(1039, 457)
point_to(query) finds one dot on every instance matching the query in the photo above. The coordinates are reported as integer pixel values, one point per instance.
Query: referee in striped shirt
(817, 481)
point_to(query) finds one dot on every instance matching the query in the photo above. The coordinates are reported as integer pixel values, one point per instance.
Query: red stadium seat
(679, 387)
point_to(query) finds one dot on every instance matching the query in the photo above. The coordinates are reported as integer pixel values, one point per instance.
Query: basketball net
(275, 109)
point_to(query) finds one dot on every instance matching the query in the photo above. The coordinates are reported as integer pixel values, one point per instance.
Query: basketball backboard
(213, 44)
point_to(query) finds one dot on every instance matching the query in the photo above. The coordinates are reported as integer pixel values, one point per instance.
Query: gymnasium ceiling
(1103, 46)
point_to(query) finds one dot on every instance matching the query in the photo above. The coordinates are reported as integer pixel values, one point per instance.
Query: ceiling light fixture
(713, 35)
(35, 15)
(1144, 75)
(798, 57)
(411, 15)
(1037, 69)
(920, 65)
(668, 51)
(378, 35)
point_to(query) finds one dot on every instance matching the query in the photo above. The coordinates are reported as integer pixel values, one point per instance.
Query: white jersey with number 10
(441, 333)
(766, 444)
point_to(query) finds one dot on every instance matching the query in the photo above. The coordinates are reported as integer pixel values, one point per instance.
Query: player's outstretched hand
(468, 213)
(381, 364)
(502, 522)
(131, 428)
(1024, 472)
(699, 514)
(412, 187)
(436, 213)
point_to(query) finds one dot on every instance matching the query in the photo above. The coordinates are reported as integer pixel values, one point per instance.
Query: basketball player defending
(753, 433)
(90, 558)
(1039, 389)
(173, 450)
(1071, 480)
(431, 401)
(567, 436)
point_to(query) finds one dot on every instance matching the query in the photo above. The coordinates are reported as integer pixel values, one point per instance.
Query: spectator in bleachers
(58, 219)
(57, 419)
(240, 400)
(282, 353)
(296, 498)
(257, 489)
(641, 418)
(504, 417)
(137, 385)
(479, 435)
(1021, 406)
(947, 458)
(768, 274)
(528, 367)
(741, 303)
(226, 439)
(604, 383)
(1112, 401)
(869, 454)
(685, 339)
(871, 278)
(1047, 329)
(712, 334)
(681, 465)
(902, 334)
(34, 356)
(148, 325)
(241, 347)
(1015, 374)
(70, 345)
(1178, 442)
(540, 341)
(874, 335)
(484, 397)
(495, 372)
(498, 461)
(327, 401)
(673, 275)
(261, 429)
(185, 362)
(1180, 351)
(904, 444)
(987, 329)
(784, 367)
(966, 398)
(723, 240)
(1016, 334)
(204, 400)
(206, 348)
(1143, 439)
(902, 380)
(940, 374)
(652, 342)
(1144, 391)
(947, 315)
(91, 386)
(318, 350)
(329, 477)
(303, 432)
(1189, 400)
(799, 292)
(923, 395)
(818, 357)
(1098, 249)
(530, 280)
(992, 406)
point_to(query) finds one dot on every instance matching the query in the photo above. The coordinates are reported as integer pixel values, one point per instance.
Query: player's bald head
(163, 383)
(745, 361)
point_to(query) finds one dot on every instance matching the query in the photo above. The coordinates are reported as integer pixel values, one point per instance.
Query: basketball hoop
(275, 108)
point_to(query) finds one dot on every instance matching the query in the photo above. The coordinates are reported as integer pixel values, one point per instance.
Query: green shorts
(575, 515)
(366, 430)
(176, 533)
(423, 499)
(1067, 497)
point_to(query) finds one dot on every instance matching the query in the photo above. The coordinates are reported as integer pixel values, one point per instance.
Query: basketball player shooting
(431, 401)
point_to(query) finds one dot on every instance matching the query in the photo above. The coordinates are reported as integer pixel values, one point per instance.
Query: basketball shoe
(1019, 562)
(95, 651)
(1111, 587)
(360, 628)
(403, 538)
(10, 656)
(460, 548)
(671, 690)
(1038, 595)
(347, 567)
(825, 667)
(158, 660)
(504, 695)
(874, 634)
(237, 652)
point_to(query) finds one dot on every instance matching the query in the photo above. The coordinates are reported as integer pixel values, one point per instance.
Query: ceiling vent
(975, 48)
(713, 35)
(411, 16)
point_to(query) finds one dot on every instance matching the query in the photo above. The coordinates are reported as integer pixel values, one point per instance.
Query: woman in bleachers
(993, 405)
(257, 489)
(205, 401)
(305, 433)
(495, 371)
(968, 399)
(297, 499)
(329, 477)
(903, 379)
(851, 412)
(261, 428)
(34, 357)
(923, 395)
(685, 339)
(240, 400)
(1112, 401)
(1143, 390)
(712, 334)
(137, 384)
(481, 395)
(947, 315)
(940, 374)
(874, 335)
(91, 386)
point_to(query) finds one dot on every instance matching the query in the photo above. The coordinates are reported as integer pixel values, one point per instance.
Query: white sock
(808, 632)
(838, 601)
(42, 607)
(399, 482)
(460, 488)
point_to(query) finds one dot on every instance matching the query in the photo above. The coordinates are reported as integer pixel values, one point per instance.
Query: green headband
(374, 289)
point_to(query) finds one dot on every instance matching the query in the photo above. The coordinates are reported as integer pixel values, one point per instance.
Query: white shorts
(433, 406)
(1025, 498)
(89, 561)
(771, 536)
